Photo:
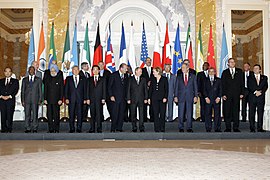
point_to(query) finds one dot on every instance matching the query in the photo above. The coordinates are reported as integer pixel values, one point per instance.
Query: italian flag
(86, 49)
(188, 52)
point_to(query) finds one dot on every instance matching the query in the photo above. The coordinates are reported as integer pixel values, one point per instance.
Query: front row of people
(119, 89)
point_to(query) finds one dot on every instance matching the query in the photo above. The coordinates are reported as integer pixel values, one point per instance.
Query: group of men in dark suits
(147, 88)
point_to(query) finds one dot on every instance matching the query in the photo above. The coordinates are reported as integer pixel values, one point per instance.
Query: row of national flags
(71, 58)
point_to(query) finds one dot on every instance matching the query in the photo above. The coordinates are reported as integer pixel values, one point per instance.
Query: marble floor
(188, 159)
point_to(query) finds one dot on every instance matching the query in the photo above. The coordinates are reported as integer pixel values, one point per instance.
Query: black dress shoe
(51, 131)
(181, 130)
(236, 130)
(157, 131)
(99, 131)
(261, 130)
(218, 131)
(9, 131)
(91, 131)
(34, 131)
(134, 130)
(142, 130)
(56, 131)
(227, 130)
(27, 131)
(162, 131)
(190, 130)
(208, 130)
(120, 130)
(112, 131)
(78, 131)
(3, 131)
(252, 130)
(71, 131)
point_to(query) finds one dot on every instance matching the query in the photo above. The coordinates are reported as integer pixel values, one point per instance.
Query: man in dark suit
(117, 89)
(53, 98)
(137, 95)
(257, 86)
(186, 94)
(8, 89)
(76, 96)
(96, 98)
(171, 85)
(31, 97)
(105, 74)
(84, 73)
(192, 71)
(147, 73)
(245, 99)
(201, 77)
(232, 92)
(212, 93)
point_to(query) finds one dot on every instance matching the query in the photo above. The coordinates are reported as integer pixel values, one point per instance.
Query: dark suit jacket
(200, 81)
(137, 92)
(192, 71)
(116, 88)
(106, 76)
(54, 89)
(146, 76)
(163, 89)
(250, 73)
(186, 93)
(11, 89)
(252, 87)
(212, 92)
(83, 75)
(31, 94)
(97, 92)
(232, 87)
(73, 94)
(47, 74)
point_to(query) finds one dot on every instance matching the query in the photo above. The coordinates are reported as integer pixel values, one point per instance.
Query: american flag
(144, 49)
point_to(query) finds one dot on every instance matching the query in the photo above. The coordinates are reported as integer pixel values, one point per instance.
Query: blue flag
(123, 47)
(224, 54)
(177, 55)
(74, 52)
(144, 49)
(31, 50)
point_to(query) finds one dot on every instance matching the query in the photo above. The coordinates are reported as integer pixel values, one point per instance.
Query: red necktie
(186, 80)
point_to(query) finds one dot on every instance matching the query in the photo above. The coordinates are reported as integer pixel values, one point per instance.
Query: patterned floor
(135, 163)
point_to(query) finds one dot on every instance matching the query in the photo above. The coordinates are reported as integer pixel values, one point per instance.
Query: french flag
(123, 47)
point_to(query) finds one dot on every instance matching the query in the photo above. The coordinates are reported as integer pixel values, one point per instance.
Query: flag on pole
(188, 51)
(41, 58)
(31, 50)
(98, 49)
(131, 53)
(211, 52)
(109, 58)
(86, 49)
(52, 53)
(177, 55)
(200, 60)
(123, 48)
(156, 54)
(144, 49)
(66, 55)
(74, 52)
(224, 53)
(166, 55)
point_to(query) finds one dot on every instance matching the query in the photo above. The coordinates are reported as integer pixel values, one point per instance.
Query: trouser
(185, 110)
(202, 110)
(133, 115)
(159, 112)
(118, 115)
(53, 115)
(259, 105)
(30, 108)
(75, 110)
(7, 112)
(245, 101)
(231, 111)
(208, 116)
(169, 112)
(96, 115)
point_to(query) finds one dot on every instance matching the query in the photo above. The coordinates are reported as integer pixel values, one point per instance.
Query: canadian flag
(166, 55)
